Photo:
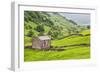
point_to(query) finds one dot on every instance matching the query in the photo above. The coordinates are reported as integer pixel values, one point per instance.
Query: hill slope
(47, 23)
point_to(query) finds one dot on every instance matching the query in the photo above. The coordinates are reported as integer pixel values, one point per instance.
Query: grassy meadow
(69, 40)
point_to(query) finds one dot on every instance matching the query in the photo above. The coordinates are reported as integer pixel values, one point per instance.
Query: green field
(74, 49)
(76, 52)
(69, 39)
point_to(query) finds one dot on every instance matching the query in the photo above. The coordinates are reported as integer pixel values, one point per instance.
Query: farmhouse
(41, 42)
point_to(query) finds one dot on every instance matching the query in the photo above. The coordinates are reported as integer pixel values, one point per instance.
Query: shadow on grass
(56, 48)
(81, 35)
(45, 49)
(70, 45)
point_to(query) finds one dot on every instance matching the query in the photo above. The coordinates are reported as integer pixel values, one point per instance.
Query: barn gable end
(41, 42)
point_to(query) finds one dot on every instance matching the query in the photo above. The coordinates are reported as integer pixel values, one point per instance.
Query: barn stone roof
(44, 38)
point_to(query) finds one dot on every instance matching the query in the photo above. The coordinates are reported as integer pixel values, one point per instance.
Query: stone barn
(41, 42)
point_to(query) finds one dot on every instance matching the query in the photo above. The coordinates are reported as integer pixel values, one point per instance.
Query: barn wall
(45, 44)
(40, 44)
(36, 44)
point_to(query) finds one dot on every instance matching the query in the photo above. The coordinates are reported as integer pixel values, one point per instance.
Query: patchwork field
(73, 47)
(69, 34)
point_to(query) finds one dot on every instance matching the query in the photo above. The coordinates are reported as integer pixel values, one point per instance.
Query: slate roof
(44, 38)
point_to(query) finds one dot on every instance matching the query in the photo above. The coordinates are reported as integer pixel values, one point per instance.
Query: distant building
(41, 42)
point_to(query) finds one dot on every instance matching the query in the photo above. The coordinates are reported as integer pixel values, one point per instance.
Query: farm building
(41, 42)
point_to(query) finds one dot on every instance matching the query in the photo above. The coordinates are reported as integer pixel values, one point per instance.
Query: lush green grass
(70, 52)
(77, 52)
(72, 40)
(27, 41)
(56, 26)
(85, 32)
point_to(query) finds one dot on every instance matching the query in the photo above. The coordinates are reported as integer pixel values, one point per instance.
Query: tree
(55, 34)
(40, 28)
(88, 26)
(49, 33)
(73, 22)
(31, 33)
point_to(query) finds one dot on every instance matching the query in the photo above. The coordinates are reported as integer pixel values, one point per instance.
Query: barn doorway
(44, 44)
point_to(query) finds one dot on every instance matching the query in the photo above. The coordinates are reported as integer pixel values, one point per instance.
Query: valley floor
(73, 47)
(77, 52)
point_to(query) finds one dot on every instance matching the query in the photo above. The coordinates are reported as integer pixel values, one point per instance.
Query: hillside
(69, 40)
(72, 40)
(52, 24)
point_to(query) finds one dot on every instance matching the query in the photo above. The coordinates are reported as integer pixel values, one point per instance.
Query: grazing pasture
(76, 47)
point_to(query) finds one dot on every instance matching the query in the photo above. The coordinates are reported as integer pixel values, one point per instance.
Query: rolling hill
(49, 23)
(69, 40)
